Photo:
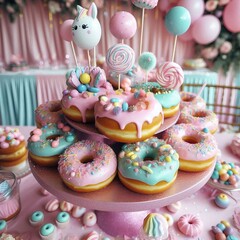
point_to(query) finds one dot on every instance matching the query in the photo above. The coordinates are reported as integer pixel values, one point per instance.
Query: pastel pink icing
(190, 225)
(199, 118)
(9, 208)
(204, 149)
(52, 205)
(103, 165)
(145, 108)
(191, 100)
(174, 207)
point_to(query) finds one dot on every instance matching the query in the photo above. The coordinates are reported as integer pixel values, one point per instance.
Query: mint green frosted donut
(63, 217)
(37, 216)
(47, 229)
(3, 224)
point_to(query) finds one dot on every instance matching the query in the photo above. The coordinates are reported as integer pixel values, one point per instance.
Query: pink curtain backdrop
(36, 38)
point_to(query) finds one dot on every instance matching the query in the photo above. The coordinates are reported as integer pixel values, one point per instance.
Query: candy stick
(141, 36)
(89, 59)
(201, 89)
(174, 48)
(94, 57)
(74, 53)
(119, 81)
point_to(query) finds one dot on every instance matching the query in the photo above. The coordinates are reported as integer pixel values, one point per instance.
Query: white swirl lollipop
(170, 75)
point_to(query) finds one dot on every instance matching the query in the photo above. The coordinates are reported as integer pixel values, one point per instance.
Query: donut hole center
(200, 114)
(86, 159)
(190, 222)
(55, 108)
(190, 139)
(188, 98)
(53, 137)
(149, 157)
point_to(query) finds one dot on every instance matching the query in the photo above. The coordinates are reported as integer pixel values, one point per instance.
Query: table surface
(200, 203)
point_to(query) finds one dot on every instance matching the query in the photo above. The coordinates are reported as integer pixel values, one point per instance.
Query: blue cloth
(17, 99)
(200, 77)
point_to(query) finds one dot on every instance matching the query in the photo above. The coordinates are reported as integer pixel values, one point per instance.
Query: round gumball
(120, 58)
(147, 61)
(177, 20)
(222, 200)
(123, 25)
(86, 28)
(148, 4)
(66, 30)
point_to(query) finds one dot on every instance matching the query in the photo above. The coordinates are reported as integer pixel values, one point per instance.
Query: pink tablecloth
(200, 203)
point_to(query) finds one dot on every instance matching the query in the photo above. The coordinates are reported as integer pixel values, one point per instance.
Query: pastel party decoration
(120, 58)
(170, 75)
(86, 29)
(231, 16)
(206, 29)
(123, 25)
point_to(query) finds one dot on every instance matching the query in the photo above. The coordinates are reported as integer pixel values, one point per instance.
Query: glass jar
(10, 204)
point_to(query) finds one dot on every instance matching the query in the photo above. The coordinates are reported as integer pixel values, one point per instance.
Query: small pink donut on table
(202, 119)
(197, 150)
(191, 100)
(87, 166)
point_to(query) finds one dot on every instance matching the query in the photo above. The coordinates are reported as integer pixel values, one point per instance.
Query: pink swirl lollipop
(148, 4)
(120, 58)
(170, 75)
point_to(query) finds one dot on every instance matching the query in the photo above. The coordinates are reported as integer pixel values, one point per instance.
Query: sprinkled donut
(49, 112)
(191, 100)
(190, 225)
(128, 117)
(87, 166)
(197, 150)
(202, 119)
(46, 144)
(138, 172)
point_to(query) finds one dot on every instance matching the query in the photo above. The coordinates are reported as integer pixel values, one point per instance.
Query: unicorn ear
(92, 11)
(79, 10)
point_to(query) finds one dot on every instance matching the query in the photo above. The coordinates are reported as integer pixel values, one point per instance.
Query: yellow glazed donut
(202, 119)
(128, 117)
(197, 150)
(148, 167)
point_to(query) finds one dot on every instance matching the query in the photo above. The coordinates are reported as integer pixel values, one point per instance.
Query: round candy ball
(222, 200)
(66, 30)
(147, 61)
(123, 25)
(85, 78)
(178, 20)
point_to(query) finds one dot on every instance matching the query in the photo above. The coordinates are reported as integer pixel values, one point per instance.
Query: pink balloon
(123, 25)
(187, 36)
(195, 8)
(206, 29)
(66, 30)
(231, 16)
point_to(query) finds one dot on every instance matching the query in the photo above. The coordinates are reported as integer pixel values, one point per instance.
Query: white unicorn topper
(86, 28)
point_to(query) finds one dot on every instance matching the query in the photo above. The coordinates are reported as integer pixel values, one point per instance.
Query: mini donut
(148, 167)
(128, 117)
(202, 119)
(49, 112)
(48, 231)
(222, 200)
(3, 226)
(37, 218)
(62, 219)
(13, 151)
(87, 166)
(89, 219)
(190, 225)
(197, 150)
(191, 100)
(169, 219)
(79, 99)
(46, 144)
(168, 98)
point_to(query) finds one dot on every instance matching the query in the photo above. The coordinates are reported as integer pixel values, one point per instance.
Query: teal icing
(150, 161)
(3, 224)
(166, 97)
(63, 217)
(47, 229)
(37, 216)
(43, 147)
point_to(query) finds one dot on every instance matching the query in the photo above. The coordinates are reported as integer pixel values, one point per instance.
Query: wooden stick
(174, 48)
(94, 57)
(119, 81)
(141, 36)
(74, 53)
(89, 59)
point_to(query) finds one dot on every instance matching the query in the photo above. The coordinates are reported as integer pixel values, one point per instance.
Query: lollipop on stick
(144, 4)
(123, 25)
(66, 34)
(86, 30)
(120, 58)
(177, 22)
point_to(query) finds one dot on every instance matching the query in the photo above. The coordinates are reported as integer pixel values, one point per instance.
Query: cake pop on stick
(86, 29)
(66, 34)
(177, 22)
(144, 4)
(120, 58)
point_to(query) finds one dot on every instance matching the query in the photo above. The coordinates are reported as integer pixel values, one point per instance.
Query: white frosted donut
(87, 166)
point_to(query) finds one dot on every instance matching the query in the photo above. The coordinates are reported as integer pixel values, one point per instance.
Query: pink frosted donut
(49, 112)
(197, 150)
(190, 225)
(235, 144)
(191, 101)
(87, 166)
(203, 119)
